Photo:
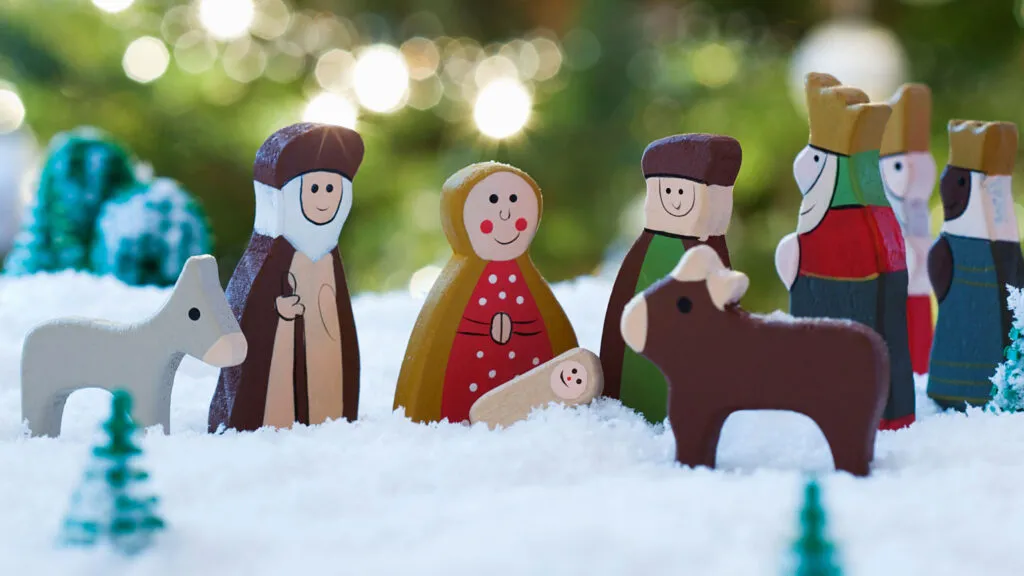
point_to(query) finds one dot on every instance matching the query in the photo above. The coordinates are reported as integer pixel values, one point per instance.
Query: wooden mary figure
(289, 292)
(490, 316)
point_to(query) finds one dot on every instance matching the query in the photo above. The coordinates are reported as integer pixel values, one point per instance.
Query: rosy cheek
(521, 224)
(487, 226)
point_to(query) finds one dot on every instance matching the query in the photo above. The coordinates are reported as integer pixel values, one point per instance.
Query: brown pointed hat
(908, 128)
(306, 147)
(707, 158)
(988, 147)
(842, 119)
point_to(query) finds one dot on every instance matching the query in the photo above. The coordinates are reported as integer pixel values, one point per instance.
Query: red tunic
(478, 362)
(853, 243)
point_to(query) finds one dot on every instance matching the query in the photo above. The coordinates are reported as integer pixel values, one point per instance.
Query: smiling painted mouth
(561, 378)
(323, 209)
(693, 202)
(509, 242)
(805, 212)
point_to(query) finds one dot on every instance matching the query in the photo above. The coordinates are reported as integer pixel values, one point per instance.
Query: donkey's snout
(634, 323)
(227, 351)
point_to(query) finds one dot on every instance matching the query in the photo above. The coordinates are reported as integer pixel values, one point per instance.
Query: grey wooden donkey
(69, 354)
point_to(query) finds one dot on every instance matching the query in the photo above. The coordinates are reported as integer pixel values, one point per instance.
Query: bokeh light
(270, 19)
(244, 60)
(330, 108)
(226, 19)
(381, 78)
(549, 57)
(714, 65)
(334, 69)
(494, 68)
(195, 52)
(422, 57)
(425, 94)
(502, 108)
(12, 111)
(113, 6)
(423, 280)
(145, 59)
(858, 53)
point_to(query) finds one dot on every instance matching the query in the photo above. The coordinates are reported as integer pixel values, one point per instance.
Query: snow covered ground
(589, 491)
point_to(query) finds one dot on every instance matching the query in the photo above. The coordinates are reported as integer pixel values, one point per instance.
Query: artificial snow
(588, 491)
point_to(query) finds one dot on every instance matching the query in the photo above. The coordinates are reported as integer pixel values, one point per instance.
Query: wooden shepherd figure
(846, 259)
(690, 181)
(289, 292)
(976, 255)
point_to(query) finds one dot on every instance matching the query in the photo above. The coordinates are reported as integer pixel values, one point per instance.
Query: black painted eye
(314, 188)
(493, 198)
(573, 370)
(194, 314)
(579, 381)
(330, 187)
(684, 305)
(513, 198)
(668, 190)
(680, 191)
(960, 181)
(816, 157)
(898, 166)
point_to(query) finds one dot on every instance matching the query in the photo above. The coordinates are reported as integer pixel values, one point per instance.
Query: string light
(381, 78)
(502, 108)
(145, 59)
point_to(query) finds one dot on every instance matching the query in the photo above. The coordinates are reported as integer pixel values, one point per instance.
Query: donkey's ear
(727, 287)
(697, 264)
(204, 265)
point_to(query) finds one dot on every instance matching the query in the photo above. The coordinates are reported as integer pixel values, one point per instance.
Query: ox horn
(697, 264)
(727, 287)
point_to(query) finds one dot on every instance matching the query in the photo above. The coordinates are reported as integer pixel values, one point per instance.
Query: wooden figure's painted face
(501, 216)
(685, 207)
(321, 196)
(816, 172)
(569, 380)
(908, 179)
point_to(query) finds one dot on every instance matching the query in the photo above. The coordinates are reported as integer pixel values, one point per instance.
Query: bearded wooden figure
(289, 291)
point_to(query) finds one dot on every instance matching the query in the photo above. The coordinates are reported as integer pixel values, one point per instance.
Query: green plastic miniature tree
(813, 553)
(1008, 381)
(107, 505)
(144, 236)
(83, 169)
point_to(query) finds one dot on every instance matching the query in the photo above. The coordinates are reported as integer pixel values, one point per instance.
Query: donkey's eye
(684, 305)
(194, 314)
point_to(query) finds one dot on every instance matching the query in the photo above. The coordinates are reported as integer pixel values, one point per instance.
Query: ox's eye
(684, 305)
(194, 314)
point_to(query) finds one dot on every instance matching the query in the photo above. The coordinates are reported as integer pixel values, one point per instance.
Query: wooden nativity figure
(289, 292)
(690, 180)
(490, 316)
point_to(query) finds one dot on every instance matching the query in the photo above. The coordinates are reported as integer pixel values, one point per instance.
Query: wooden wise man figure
(908, 174)
(976, 255)
(690, 180)
(846, 259)
(289, 292)
(490, 316)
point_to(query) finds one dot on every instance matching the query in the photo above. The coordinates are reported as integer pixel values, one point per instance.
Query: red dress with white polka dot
(501, 335)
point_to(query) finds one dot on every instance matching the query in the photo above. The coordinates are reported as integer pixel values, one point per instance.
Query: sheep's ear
(697, 264)
(727, 287)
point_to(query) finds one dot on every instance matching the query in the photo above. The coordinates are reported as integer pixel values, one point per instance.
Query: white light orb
(12, 111)
(502, 108)
(145, 59)
(857, 52)
(113, 6)
(226, 19)
(423, 280)
(330, 108)
(381, 78)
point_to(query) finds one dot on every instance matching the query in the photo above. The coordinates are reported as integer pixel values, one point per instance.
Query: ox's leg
(44, 410)
(151, 410)
(696, 433)
(852, 450)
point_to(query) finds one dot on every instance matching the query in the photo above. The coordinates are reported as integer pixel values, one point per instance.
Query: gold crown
(841, 118)
(908, 127)
(989, 147)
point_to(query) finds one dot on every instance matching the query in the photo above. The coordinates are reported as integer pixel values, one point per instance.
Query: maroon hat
(707, 158)
(307, 147)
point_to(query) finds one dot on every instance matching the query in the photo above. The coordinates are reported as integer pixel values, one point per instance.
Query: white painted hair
(279, 213)
(268, 218)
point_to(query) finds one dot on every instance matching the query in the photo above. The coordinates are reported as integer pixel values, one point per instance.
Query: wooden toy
(976, 255)
(490, 316)
(69, 354)
(908, 174)
(289, 291)
(836, 372)
(846, 259)
(573, 378)
(690, 181)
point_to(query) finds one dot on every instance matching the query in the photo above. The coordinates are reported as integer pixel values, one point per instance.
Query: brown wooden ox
(719, 359)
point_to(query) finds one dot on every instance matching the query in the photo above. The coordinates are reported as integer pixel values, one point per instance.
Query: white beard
(279, 213)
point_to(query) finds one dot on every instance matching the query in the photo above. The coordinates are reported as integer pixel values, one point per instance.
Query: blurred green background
(193, 88)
